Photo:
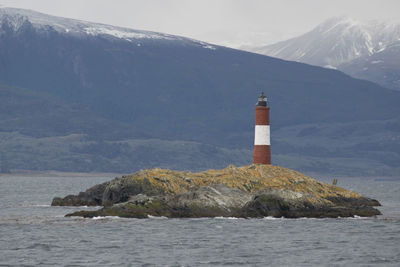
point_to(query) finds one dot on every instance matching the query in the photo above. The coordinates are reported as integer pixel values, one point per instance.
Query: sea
(33, 233)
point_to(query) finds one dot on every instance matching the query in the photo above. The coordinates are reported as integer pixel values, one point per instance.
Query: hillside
(38, 114)
(43, 132)
(194, 98)
(382, 67)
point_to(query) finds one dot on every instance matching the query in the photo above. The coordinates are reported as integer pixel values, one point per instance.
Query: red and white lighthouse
(262, 143)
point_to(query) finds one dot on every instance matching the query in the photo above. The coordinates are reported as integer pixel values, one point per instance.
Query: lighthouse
(262, 144)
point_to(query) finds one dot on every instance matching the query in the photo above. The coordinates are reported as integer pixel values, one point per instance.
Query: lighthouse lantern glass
(262, 100)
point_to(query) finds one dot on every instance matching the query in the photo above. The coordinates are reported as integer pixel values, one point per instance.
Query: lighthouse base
(262, 154)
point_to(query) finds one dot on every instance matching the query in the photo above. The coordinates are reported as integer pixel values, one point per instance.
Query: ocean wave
(105, 217)
(273, 218)
(356, 217)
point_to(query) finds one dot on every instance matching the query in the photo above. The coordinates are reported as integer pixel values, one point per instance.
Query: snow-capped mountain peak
(367, 50)
(15, 18)
(335, 41)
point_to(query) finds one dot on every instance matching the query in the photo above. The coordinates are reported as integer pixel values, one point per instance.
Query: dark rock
(91, 197)
(277, 205)
(122, 189)
(220, 200)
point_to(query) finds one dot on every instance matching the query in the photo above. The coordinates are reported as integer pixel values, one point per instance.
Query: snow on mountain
(15, 19)
(365, 50)
(335, 41)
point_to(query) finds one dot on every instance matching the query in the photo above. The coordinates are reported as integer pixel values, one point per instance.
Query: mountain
(349, 45)
(180, 103)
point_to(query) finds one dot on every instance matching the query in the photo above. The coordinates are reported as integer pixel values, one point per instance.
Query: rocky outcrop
(92, 197)
(249, 191)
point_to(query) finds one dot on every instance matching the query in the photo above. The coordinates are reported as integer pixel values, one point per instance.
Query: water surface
(33, 233)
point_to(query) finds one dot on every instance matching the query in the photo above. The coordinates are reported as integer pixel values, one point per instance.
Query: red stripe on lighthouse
(262, 115)
(262, 148)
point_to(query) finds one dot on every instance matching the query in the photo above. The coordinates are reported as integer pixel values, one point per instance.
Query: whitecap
(156, 217)
(272, 218)
(226, 218)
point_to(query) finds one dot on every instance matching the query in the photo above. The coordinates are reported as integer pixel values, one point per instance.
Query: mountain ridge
(17, 17)
(348, 45)
(360, 38)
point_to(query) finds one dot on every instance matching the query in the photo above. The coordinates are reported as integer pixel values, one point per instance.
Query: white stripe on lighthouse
(262, 136)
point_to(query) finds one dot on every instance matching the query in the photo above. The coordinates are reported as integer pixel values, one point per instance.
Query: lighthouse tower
(262, 148)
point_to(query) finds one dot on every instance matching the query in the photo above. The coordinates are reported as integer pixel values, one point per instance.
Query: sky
(234, 23)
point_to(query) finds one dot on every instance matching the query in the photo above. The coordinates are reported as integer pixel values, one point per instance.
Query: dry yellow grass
(249, 178)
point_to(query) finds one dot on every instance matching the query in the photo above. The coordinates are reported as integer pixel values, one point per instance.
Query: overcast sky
(226, 22)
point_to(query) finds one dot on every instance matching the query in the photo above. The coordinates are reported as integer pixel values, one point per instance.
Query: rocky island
(249, 192)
